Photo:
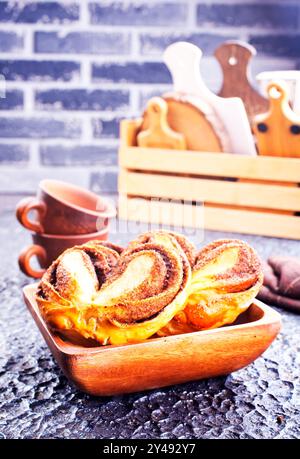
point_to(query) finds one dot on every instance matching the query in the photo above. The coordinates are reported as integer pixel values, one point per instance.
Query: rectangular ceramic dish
(161, 362)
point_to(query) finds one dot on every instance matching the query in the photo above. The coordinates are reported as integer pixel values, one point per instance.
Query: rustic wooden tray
(246, 194)
(161, 362)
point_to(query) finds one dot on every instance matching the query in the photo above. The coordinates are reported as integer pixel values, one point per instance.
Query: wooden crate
(253, 195)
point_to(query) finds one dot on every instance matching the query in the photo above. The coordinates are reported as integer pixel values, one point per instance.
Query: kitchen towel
(281, 285)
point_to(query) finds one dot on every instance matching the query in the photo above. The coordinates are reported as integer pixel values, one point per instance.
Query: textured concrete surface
(36, 400)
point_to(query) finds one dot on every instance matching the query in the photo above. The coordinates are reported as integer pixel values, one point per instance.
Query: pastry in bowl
(99, 292)
(226, 277)
(158, 285)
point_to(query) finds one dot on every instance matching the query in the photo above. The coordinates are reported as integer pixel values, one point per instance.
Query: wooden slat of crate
(159, 212)
(262, 201)
(215, 191)
(210, 164)
(215, 218)
(252, 222)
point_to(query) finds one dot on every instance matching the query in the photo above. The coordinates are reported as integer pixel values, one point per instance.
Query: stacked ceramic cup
(66, 215)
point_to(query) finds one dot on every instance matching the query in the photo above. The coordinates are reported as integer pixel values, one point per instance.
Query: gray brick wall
(73, 69)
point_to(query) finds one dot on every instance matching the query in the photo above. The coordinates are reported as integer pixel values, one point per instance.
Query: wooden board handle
(183, 61)
(234, 58)
(278, 130)
(159, 134)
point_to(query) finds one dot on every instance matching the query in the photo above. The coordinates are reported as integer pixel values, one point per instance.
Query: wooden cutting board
(278, 130)
(175, 123)
(234, 58)
(183, 60)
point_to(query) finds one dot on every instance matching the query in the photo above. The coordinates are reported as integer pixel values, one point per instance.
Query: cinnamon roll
(114, 296)
(226, 277)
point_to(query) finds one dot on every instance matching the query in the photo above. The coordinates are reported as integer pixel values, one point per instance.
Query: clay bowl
(47, 247)
(159, 362)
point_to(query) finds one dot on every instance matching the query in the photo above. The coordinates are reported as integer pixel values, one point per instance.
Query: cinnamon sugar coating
(111, 297)
(227, 276)
(159, 285)
(163, 237)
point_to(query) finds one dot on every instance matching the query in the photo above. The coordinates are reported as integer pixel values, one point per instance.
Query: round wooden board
(187, 119)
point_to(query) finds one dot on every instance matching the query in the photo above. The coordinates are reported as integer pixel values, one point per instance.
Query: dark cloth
(281, 285)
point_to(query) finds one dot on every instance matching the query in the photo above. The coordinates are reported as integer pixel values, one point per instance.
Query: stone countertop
(37, 401)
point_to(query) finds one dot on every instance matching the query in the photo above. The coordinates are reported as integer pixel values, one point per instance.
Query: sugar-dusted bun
(227, 276)
(99, 294)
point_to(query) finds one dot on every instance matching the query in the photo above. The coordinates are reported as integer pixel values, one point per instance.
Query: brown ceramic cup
(48, 247)
(65, 209)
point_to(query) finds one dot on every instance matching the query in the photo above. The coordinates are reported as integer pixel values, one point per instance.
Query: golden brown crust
(242, 274)
(97, 257)
(117, 248)
(93, 290)
(226, 278)
(99, 291)
(167, 237)
(154, 293)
